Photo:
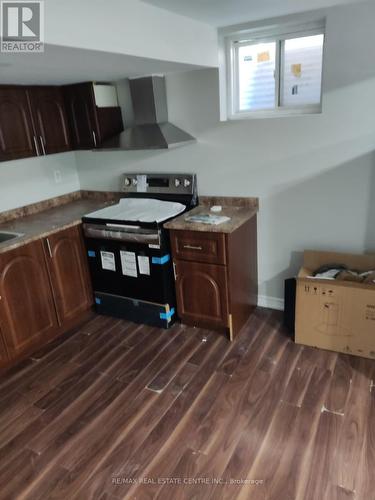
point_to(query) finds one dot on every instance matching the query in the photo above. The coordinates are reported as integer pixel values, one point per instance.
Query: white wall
(315, 175)
(32, 179)
(130, 27)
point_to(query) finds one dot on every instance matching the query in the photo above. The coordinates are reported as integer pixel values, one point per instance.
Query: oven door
(130, 262)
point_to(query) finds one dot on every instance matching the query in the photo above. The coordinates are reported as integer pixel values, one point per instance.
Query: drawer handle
(192, 247)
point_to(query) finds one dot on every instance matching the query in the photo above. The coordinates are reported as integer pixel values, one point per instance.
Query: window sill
(276, 113)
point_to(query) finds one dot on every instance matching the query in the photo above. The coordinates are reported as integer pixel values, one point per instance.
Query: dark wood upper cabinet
(27, 312)
(41, 120)
(50, 121)
(17, 137)
(90, 124)
(79, 105)
(68, 269)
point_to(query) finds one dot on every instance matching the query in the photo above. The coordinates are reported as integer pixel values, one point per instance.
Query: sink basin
(6, 236)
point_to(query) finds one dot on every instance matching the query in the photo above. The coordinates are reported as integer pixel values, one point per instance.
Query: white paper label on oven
(128, 264)
(154, 246)
(141, 183)
(108, 261)
(144, 264)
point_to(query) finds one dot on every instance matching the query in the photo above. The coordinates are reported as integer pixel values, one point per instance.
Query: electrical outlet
(57, 176)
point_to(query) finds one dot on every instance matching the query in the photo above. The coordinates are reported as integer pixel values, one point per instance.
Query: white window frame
(254, 36)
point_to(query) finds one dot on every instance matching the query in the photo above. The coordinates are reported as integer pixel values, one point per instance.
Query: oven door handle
(122, 226)
(104, 233)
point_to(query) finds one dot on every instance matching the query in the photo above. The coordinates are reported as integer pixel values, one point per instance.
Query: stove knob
(134, 182)
(186, 183)
(127, 181)
(177, 182)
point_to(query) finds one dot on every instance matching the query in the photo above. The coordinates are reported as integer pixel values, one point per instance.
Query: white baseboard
(271, 302)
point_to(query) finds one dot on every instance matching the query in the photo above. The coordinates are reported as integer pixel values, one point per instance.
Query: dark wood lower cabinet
(216, 276)
(68, 270)
(202, 292)
(4, 358)
(27, 311)
(44, 291)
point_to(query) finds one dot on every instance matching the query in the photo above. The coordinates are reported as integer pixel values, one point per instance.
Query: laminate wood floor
(117, 410)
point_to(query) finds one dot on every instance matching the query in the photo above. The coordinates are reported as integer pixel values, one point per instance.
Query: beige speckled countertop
(44, 218)
(46, 222)
(238, 216)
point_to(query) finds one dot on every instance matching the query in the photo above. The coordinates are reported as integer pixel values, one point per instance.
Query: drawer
(198, 246)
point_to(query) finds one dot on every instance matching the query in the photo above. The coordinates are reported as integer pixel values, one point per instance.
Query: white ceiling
(227, 12)
(60, 65)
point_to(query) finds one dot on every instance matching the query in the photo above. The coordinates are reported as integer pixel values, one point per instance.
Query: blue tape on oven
(91, 253)
(161, 260)
(167, 315)
(98, 301)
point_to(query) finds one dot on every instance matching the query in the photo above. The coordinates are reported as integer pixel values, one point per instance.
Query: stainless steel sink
(7, 236)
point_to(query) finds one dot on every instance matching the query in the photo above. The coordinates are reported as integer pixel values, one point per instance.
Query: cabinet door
(50, 122)
(89, 124)
(202, 292)
(80, 109)
(68, 270)
(109, 123)
(27, 311)
(4, 358)
(16, 131)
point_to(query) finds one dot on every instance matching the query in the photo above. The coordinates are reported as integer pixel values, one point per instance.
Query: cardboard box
(336, 315)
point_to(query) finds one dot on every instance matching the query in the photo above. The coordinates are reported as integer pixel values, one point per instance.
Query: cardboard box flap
(312, 260)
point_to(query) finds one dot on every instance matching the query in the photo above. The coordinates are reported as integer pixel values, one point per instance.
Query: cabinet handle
(94, 137)
(192, 247)
(49, 247)
(36, 146)
(174, 271)
(42, 143)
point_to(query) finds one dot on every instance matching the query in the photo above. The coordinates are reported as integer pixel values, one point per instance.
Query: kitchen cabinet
(202, 292)
(216, 276)
(4, 358)
(44, 291)
(42, 120)
(17, 137)
(27, 312)
(90, 124)
(50, 121)
(68, 270)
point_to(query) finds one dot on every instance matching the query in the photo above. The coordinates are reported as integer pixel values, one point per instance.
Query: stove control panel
(160, 183)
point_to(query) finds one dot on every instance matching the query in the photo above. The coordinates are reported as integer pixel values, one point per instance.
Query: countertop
(45, 218)
(47, 222)
(238, 216)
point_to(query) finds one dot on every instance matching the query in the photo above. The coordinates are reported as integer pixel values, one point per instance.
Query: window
(273, 74)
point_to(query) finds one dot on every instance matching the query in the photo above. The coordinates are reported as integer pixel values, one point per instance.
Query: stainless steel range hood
(152, 129)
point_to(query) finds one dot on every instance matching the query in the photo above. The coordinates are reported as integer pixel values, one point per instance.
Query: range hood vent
(152, 129)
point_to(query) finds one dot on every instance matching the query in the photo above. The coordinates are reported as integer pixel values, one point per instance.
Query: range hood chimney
(152, 129)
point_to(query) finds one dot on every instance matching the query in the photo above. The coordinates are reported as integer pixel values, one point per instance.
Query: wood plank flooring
(116, 410)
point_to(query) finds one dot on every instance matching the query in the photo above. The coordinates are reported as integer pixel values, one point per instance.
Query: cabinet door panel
(89, 124)
(27, 311)
(80, 109)
(202, 292)
(69, 273)
(16, 133)
(109, 123)
(50, 121)
(4, 358)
